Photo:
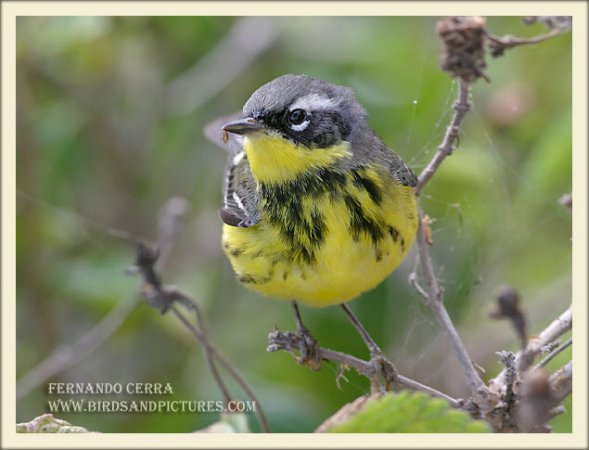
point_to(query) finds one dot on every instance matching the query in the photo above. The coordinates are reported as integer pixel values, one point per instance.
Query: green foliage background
(107, 132)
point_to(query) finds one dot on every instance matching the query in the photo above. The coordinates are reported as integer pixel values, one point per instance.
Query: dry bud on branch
(464, 51)
(508, 307)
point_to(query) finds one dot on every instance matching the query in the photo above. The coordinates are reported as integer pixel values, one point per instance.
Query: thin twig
(461, 107)
(525, 358)
(224, 361)
(165, 298)
(435, 302)
(372, 346)
(246, 388)
(556, 411)
(553, 354)
(171, 220)
(434, 292)
(202, 339)
(552, 332)
(498, 45)
(66, 356)
(288, 341)
(413, 282)
(456, 57)
(200, 334)
(417, 386)
(475, 383)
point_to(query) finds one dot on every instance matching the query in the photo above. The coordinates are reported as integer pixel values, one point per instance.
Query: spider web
(421, 350)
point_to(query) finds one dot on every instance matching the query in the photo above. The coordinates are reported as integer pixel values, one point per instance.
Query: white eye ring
(301, 126)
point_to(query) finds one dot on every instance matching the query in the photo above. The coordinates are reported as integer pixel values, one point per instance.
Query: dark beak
(243, 126)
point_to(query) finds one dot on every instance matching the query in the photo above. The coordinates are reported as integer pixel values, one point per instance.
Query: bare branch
(434, 294)
(165, 298)
(553, 354)
(222, 359)
(525, 358)
(551, 22)
(463, 57)
(202, 338)
(417, 386)
(170, 223)
(67, 356)
(461, 107)
(435, 302)
(413, 282)
(552, 332)
(556, 411)
(498, 45)
(508, 360)
(289, 342)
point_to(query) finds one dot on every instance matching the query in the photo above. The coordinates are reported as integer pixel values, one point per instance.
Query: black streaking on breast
(250, 279)
(393, 232)
(374, 192)
(378, 254)
(360, 223)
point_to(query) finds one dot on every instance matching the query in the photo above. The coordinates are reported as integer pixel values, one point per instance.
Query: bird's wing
(240, 197)
(240, 207)
(369, 148)
(402, 172)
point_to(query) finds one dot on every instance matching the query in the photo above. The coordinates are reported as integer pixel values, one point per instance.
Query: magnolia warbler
(317, 209)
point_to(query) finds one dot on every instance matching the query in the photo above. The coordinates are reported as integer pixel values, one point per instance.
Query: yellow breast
(328, 244)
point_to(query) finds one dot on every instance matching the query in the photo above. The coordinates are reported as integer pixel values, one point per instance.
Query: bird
(316, 208)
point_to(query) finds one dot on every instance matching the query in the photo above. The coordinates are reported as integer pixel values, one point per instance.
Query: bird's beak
(243, 126)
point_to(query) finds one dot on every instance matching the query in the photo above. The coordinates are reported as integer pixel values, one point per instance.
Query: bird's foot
(384, 376)
(301, 341)
(309, 349)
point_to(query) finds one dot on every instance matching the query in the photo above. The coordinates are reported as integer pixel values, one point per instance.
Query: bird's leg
(300, 340)
(308, 345)
(372, 346)
(384, 373)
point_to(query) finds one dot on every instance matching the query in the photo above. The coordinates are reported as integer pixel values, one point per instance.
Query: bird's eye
(297, 116)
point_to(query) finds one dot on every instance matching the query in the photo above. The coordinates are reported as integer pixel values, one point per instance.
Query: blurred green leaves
(99, 147)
